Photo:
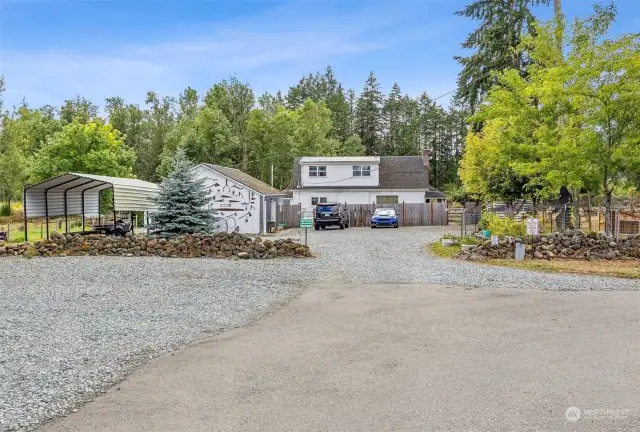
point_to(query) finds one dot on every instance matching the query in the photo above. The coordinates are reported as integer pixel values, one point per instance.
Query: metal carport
(75, 193)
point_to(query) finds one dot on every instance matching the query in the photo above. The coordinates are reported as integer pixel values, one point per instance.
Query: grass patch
(444, 251)
(623, 269)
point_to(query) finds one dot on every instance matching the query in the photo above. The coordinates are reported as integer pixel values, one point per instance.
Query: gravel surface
(72, 327)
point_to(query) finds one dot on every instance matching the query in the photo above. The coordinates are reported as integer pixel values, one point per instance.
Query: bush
(5, 209)
(501, 226)
(469, 241)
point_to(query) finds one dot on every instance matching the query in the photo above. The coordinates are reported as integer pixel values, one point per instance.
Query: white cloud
(205, 54)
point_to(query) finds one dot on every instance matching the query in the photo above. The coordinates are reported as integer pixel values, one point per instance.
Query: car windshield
(385, 212)
(326, 208)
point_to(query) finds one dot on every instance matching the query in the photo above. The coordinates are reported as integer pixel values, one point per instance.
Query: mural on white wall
(236, 206)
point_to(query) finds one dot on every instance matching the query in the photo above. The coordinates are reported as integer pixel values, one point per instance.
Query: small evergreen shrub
(182, 201)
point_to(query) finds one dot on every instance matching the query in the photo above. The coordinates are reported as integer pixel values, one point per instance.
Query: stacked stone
(220, 245)
(571, 244)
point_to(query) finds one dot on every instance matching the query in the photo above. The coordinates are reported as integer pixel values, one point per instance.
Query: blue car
(384, 217)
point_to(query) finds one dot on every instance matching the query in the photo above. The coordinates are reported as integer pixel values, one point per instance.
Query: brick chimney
(426, 153)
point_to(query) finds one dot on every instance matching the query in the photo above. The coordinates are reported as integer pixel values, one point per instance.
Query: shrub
(501, 226)
(469, 241)
(5, 209)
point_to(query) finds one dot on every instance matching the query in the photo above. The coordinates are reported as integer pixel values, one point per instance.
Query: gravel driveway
(72, 327)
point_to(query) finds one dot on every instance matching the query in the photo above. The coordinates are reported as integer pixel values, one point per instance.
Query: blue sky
(51, 50)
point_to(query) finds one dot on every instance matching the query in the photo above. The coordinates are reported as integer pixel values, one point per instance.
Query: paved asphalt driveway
(390, 357)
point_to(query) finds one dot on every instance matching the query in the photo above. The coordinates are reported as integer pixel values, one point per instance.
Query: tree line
(228, 125)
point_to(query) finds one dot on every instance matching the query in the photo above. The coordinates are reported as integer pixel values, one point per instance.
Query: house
(363, 180)
(245, 203)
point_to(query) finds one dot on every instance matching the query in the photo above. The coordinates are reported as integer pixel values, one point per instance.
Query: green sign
(306, 223)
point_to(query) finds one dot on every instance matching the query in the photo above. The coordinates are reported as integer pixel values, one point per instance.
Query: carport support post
(113, 204)
(99, 202)
(66, 219)
(82, 207)
(46, 210)
(24, 211)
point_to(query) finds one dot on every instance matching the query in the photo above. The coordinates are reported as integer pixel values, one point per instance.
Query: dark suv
(330, 214)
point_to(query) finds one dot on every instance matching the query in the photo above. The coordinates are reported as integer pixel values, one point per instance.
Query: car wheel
(317, 227)
(395, 226)
(323, 227)
(341, 226)
(373, 226)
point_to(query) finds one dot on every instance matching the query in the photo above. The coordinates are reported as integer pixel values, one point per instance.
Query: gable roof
(245, 179)
(396, 172)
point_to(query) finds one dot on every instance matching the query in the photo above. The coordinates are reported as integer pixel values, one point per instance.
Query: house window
(317, 171)
(362, 170)
(387, 199)
(318, 200)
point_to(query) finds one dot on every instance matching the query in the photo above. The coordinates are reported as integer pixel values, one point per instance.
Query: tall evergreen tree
(133, 122)
(369, 115)
(78, 108)
(269, 103)
(502, 24)
(161, 121)
(236, 100)
(325, 88)
(182, 201)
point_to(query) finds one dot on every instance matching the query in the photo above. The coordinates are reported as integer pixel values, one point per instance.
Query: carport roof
(79, 182)
(65, 194)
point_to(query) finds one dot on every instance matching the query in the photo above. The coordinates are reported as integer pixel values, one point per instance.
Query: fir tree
(503, 23)
(182, 201)
(369, 115)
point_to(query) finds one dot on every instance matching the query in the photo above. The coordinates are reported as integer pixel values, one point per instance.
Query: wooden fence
(409, 214)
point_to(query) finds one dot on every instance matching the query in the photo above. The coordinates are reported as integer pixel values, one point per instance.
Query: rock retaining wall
(571, 244)
(221, 245)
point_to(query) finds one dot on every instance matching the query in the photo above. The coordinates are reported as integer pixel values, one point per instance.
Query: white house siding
(340, 174)
(303, 196)
(239, 205)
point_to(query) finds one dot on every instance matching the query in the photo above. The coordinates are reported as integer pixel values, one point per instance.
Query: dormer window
(317, 171)
(362, 170)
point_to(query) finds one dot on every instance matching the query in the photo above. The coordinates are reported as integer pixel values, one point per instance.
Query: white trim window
(317, 171)
(362, 170)
(318, 200)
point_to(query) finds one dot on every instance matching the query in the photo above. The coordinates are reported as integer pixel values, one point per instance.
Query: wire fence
(12, 230)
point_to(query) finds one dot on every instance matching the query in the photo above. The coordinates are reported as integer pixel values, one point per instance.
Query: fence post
(403, 214)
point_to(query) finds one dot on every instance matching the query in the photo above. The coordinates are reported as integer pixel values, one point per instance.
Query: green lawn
(37, 230)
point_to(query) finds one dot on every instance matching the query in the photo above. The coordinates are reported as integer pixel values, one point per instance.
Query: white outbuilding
(245, 203)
